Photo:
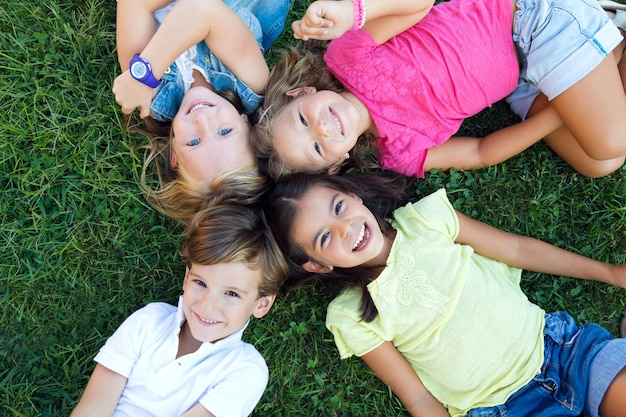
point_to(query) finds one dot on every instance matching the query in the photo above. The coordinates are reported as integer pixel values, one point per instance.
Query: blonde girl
(195, 69)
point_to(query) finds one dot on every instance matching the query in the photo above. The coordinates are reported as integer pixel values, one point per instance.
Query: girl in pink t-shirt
(406, 74)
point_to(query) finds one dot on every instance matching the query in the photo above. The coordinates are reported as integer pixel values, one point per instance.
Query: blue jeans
(270, 13)
(558, 42)
(571, 381)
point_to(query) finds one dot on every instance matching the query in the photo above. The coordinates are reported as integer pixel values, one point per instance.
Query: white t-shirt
(227, 377)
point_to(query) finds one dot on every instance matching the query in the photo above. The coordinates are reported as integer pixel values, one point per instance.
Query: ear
(186, 280)
(300, 91)
(245, 118)
(312, 266)
(334, 168)
(173, 159)
(263, 305)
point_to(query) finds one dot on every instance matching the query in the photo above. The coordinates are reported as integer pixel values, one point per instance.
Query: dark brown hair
(381, 193)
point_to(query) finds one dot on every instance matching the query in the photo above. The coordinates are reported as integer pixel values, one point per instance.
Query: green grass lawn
(80, 249)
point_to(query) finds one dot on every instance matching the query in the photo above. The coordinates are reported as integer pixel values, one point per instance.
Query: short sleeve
(434, 212)
(353, 336)
(123, 349)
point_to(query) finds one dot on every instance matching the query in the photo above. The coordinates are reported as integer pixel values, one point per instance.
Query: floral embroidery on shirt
(410, 286)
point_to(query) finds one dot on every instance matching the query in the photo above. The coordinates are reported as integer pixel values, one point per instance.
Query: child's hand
(130, 94)
(324, 20)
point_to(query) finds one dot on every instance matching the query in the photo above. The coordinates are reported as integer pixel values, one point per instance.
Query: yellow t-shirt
(459, 318)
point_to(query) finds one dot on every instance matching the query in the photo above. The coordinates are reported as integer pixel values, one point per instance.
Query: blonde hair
(178, 196)
(301, 66)
(172, 191)
(224, 233)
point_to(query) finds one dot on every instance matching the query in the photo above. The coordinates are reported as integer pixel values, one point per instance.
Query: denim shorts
(580, 362)
(558, 42)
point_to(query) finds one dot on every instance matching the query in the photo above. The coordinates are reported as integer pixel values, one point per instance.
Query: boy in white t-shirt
(190, 360)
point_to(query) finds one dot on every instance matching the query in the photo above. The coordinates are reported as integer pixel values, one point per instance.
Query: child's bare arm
(471, 153)
(198, 411)
(101, 395)
(135, 27)
(535, 255)
(188, 23)
(393, 369)
(383, 19)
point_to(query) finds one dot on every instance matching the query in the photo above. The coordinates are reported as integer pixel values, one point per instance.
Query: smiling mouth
(206, 321)
(362, 239)
(198, 106)
(336, 121)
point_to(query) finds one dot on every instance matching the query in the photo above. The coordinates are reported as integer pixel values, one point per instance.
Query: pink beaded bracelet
(360, 14)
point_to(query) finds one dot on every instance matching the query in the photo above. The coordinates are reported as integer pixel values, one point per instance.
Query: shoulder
(433, 212)
(345, 306)
(156, 311)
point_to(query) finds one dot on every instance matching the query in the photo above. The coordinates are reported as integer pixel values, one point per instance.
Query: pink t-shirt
(421, 84)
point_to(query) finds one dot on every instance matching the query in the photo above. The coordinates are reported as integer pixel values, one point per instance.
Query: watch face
(138, 69)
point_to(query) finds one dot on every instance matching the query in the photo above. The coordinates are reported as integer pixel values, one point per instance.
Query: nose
(320, 128)
(342, 227)
(209, 301)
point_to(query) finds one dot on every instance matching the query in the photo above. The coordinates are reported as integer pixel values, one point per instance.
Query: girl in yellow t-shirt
(430, 300)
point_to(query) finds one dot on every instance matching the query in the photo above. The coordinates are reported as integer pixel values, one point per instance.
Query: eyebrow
(330, 208)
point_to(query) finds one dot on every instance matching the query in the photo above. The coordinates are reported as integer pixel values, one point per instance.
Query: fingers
(324, 20)
(304, 32)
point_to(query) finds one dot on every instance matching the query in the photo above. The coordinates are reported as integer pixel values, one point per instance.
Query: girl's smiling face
(336, 230)
(316, 130)
(210, 136)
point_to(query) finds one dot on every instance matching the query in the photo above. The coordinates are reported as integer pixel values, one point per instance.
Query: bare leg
(614, 402)
(593, 139)
(567, 147)
(594, 110)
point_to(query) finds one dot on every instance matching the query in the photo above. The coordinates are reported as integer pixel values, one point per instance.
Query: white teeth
(199, 106)
(337, 124)
(359, 239)
(207, 321)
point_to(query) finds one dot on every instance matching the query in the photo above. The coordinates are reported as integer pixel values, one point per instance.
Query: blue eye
(199, 283)
(318, 149)
(324, 238)
(338, 207)
(193, 142)
(302, 119)
(224, 132)
(232, 294)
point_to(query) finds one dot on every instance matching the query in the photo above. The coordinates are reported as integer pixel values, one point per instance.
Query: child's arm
(198, 411)
(135, 27)
(384, 19)
(470, 153)
(391, 368)
(189, 22)
(102, 393)
(535, 255)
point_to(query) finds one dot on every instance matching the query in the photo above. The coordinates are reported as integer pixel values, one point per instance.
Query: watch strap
(148, 78)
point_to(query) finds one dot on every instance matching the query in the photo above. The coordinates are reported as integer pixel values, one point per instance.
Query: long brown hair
(381, 193)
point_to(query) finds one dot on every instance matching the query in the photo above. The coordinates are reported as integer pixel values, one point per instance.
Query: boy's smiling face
(219, 299)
